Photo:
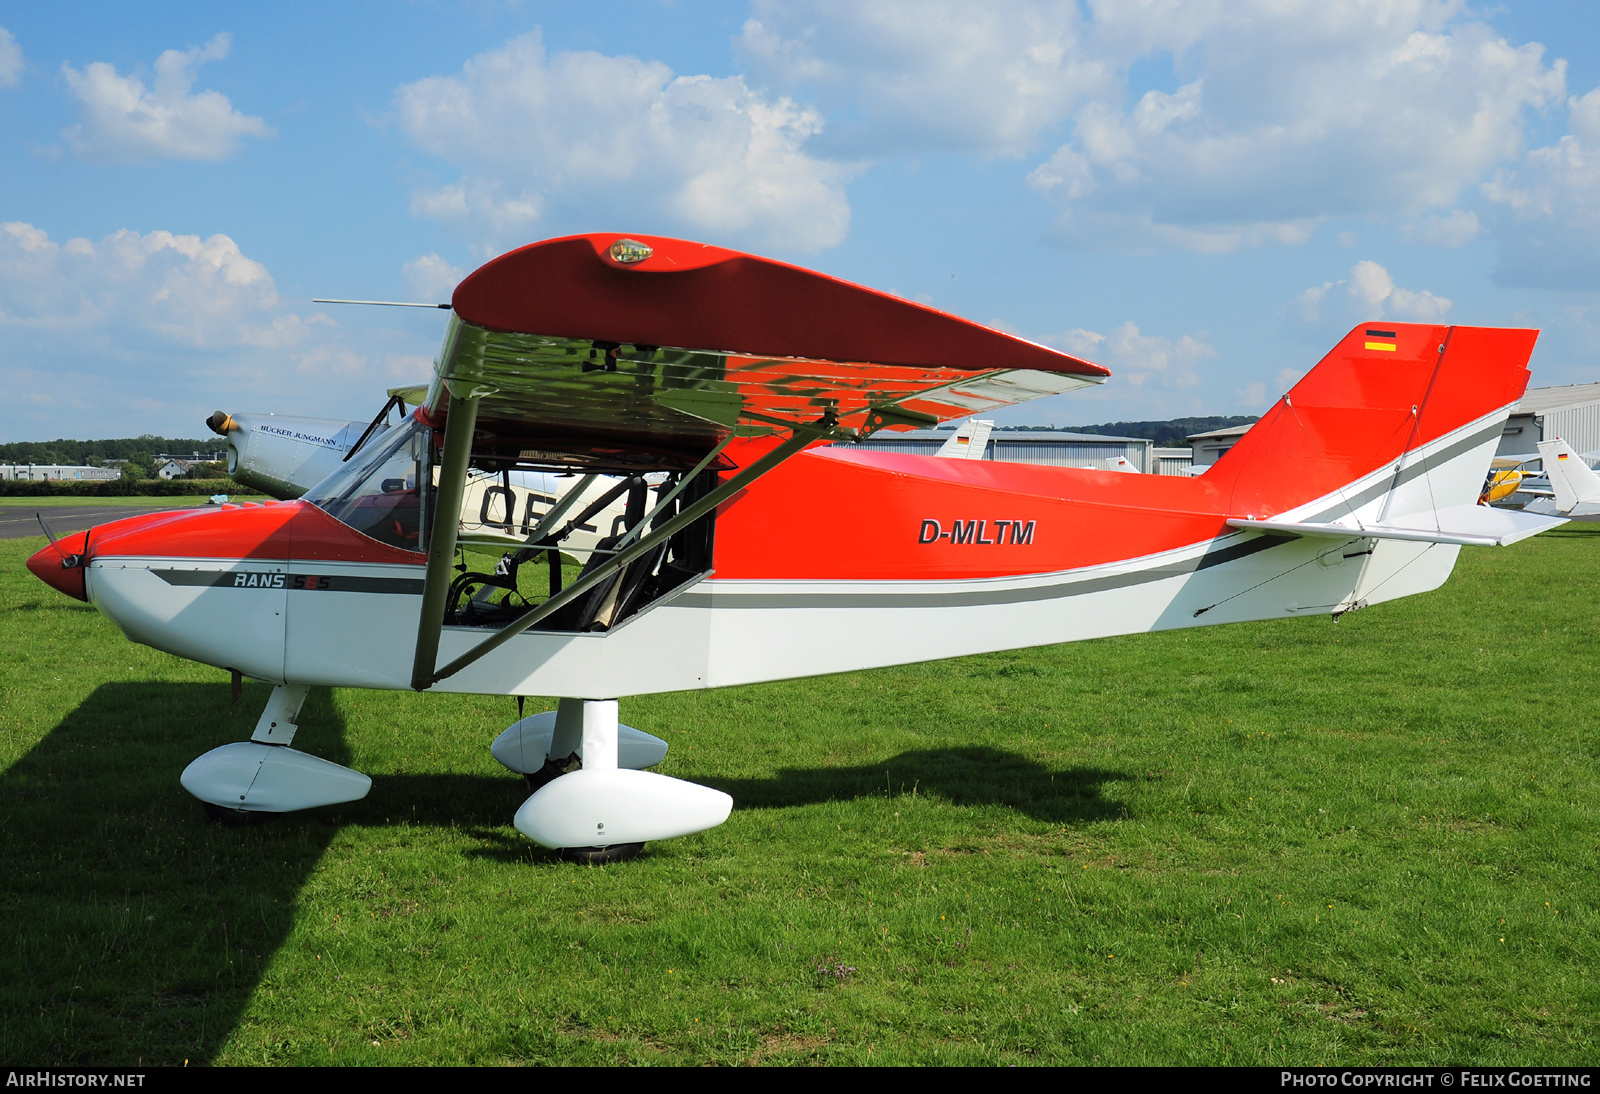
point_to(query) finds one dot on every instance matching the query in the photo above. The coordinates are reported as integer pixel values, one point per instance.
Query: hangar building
(1571, 412)
(40, 472)
(1054, 448)
(1207, 448)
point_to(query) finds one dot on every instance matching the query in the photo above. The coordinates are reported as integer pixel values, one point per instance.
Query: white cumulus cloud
(148, 332)
(1368, 293)
(126, 122)
(1137, 359)
(10, 59)
(168, 288)
(1152, 376)
(430, 279)
(1547, 208)
(919, 75)
(1295, 111)
(1267, 117)
(579, 140)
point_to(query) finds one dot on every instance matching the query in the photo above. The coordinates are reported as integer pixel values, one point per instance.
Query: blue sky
(1202, 196)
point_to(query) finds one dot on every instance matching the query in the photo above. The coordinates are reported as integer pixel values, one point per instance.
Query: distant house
(174, 469)
(1173, 461)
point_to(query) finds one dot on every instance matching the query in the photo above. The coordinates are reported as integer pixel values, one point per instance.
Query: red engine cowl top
(271, 530)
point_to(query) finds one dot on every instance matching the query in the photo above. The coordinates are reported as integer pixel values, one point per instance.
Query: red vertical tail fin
(1388, 399)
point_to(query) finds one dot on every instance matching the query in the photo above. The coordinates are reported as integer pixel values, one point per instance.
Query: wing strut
(458, 429)
(423, 677)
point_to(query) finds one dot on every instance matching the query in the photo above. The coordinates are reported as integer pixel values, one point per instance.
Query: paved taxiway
(17, 521)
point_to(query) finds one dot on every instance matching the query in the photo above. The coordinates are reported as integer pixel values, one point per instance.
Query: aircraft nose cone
(46, 565)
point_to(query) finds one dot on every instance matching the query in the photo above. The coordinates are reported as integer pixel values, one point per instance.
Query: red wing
(669, 352)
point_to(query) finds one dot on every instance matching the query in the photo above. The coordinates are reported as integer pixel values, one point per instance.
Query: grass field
(1299, 842)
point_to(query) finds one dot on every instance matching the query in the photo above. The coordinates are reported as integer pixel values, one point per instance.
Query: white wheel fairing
(525, 746)
(260, 778)
(601, 808)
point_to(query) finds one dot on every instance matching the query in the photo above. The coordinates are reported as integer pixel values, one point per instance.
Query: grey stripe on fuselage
(726, 598)
(269, 579)
(1422, 467)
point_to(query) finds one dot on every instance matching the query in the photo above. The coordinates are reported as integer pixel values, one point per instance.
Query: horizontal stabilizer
(1464, 525)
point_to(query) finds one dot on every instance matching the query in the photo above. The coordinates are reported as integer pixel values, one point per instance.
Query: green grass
(533, 577)
(1297, 842)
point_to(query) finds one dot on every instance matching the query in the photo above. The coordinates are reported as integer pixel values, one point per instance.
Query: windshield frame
(337, 494)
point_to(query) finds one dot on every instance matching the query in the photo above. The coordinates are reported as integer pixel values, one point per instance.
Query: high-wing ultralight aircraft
(708, 385)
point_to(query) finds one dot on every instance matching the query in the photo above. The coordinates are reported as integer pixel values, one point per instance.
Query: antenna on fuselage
(386, 303)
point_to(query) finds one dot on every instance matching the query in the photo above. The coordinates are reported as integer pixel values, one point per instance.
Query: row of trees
(141, 450)
(139, 454)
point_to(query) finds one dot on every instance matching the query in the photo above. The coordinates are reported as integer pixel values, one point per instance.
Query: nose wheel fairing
(265, 775)
(257, 778)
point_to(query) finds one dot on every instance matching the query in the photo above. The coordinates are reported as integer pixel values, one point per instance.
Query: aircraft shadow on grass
(964, 776)
(136, 931)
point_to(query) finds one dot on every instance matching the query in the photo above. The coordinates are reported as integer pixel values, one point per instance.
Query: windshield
(380, 492)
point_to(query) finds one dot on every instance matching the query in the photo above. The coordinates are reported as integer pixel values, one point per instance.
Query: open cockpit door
(644, 358)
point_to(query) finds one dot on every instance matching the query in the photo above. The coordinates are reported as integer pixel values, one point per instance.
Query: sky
(1202, 196)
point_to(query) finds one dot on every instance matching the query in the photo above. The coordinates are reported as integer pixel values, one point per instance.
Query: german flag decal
(1388, 347)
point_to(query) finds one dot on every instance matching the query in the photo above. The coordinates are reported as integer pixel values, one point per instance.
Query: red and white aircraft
(709, 384)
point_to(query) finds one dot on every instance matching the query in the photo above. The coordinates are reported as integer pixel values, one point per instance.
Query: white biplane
(706, 388)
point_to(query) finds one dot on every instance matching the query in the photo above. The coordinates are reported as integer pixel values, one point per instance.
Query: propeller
(68, 562)
(48, 534)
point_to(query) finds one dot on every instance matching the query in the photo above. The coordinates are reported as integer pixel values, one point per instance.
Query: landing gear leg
(566, 746)
(593, 722)
(278, 723)
(276, 726)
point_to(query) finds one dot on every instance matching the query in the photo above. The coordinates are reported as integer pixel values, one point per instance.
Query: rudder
(1396, 419)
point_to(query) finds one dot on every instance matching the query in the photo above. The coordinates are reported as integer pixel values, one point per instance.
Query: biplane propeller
(706, 400)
